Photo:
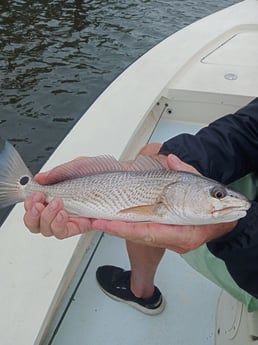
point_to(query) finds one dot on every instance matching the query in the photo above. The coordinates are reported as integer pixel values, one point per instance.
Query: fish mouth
(230, 209)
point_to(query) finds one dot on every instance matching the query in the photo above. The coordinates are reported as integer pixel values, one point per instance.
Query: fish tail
(14, 176)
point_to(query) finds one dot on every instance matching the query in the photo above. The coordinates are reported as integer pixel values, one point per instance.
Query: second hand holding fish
(178, 238)
(52, 220)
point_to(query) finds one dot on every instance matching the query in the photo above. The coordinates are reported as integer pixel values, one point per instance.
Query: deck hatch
(236, 51)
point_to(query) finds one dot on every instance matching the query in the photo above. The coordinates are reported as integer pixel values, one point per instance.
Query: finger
(63, 226)
(42, 178)
(150, 149)
(34, 198)
(115, 228)
(78, 167)
(48, 215)
(59, 173)
(153, 151)
(175, 163)
(75, 168)
(154, 235)
(32, 217)
(138, 232)
(58, 225)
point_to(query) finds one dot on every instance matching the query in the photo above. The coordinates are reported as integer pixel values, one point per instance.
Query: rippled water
(57, 56)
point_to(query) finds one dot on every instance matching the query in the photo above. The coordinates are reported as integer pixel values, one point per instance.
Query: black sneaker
(115, 282)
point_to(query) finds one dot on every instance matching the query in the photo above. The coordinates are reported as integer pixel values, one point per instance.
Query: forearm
(225, 150)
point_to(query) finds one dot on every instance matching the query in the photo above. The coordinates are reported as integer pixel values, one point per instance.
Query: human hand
(50, 219)
(179, 238)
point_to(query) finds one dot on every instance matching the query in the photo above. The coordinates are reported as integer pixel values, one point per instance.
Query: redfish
(143, 191)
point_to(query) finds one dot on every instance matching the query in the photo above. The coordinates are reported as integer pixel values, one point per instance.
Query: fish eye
(24, 180)
(218, 193)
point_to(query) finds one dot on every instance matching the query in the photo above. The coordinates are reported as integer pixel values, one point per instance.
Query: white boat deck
(95, 319)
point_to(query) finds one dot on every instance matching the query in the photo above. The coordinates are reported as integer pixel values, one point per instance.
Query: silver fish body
(147, 194)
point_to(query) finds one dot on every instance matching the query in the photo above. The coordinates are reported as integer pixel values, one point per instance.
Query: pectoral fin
(157, 209)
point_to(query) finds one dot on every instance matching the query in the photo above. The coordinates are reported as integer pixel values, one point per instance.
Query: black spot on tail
(24, 180)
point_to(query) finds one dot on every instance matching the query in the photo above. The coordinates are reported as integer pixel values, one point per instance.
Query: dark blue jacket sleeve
(239, 250)
(226, 150)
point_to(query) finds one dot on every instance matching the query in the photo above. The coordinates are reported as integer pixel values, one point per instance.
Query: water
(57, 56)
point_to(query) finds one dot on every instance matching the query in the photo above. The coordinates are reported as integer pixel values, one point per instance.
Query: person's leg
(144, 261)
(135, 287)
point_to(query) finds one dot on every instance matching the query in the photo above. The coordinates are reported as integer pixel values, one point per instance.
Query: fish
(142, 191)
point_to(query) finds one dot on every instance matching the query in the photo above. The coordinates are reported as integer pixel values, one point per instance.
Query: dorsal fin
(145, 163)
(84, 166)
(101, 164)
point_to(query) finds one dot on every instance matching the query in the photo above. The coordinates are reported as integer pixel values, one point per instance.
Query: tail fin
(14, 175)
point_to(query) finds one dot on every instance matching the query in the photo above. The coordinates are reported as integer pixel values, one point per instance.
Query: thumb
(175, 163)
(42, 178)
(78, 167)
(59, 173)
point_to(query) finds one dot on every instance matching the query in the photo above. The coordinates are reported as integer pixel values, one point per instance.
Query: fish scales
(103, 194)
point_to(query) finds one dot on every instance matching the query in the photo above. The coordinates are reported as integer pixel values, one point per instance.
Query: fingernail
(36, 198)
(59, 217)
(174, 158)
(41, 177)
(53, 205)
(175, 161)
(34, 212)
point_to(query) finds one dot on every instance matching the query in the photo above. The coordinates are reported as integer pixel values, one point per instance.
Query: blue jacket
(226, 150)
